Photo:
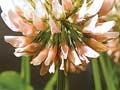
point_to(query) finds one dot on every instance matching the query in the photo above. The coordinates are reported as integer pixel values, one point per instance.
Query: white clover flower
(55, 33)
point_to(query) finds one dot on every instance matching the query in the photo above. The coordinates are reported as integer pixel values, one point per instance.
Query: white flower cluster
(66, 31)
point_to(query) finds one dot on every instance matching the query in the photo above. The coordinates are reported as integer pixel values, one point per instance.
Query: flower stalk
(107, 76)
(61, 80)
(62, 83)
(96, 75)
(25, 69)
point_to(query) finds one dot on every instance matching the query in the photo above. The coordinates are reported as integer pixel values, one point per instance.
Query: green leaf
(11, 80)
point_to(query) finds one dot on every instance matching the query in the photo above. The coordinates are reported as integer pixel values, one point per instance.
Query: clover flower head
(64, 33)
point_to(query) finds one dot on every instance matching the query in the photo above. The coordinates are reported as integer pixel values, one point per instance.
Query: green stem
(66, 82)
(107, 76)
(96, 75)
(25, 69)
(112, 70)
(61, 80)
(109, 65)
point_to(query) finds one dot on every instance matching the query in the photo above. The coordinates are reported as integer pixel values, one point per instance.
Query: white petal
(52, 68)
(51, 56)
(76, 58)
(85, 59)
(40, 57)
(40, 10)
(58, 10)
(64, 50)
(19, 54)
(18, 41)
(95, 7)
(25, 7)
(62, 63)
(92, 24)
(82, 11)
(19, 50)
(22, 54)
(31, 48)
(6, 5)
(21, 24)
(8, 22)
(54, 26)
(90, 52)
(105, 27)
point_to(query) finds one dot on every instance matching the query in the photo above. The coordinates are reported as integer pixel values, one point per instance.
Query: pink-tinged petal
(31, 48)
(54, 26)
(40, 14)
(14, 18)
(80, 50)
(52, 68)
(117, 57)
(95, 7)
(51, 55)
(18, 41)
(9, 23)
(17, 54)
(64, 50)
(106, 7)
(24, 26)
(28, 50)
(101, 37)
(92, 24)
(27, 29)
(57, 9)
(113, 43)
(89, 52)
(97, 46)
(40, 57)
(104, 27)
(67, 5)
(82, 12)
(25, 7)
(39, 24)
